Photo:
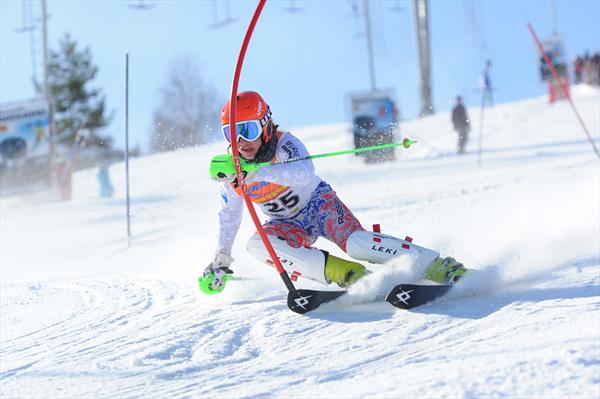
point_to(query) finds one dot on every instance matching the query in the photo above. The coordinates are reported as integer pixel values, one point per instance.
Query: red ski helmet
(251, 106)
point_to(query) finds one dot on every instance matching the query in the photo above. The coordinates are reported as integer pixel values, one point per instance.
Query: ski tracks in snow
(162, 339)
(74, 336)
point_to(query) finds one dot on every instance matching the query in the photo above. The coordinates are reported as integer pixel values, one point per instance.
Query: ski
(302, 301)
(403, 296)
(408, 296)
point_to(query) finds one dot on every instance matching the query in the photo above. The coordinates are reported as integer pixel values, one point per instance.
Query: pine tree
(77, 107)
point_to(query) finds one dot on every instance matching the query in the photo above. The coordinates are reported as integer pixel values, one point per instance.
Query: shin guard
(305, 262)
(380, 248)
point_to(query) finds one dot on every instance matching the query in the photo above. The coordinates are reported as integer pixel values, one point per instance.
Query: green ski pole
(406, 143)
(221, 166)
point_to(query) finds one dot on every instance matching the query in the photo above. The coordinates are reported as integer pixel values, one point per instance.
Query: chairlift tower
(217, 22)
(422, 25)
(46, 88)
(28, 26)
(370, 46)
(552, 4)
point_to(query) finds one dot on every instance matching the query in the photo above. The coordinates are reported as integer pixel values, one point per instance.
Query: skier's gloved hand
(220, 268)
(248, 178)
(222, 168)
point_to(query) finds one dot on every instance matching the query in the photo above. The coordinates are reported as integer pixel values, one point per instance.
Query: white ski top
(280, 191)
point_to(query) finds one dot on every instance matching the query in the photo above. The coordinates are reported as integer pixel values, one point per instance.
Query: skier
(460, 120)
(301, 207)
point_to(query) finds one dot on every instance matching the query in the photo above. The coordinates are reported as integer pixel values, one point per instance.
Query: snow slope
(83, 315)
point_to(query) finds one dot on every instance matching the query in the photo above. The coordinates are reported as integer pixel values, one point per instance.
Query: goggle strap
(265, 119)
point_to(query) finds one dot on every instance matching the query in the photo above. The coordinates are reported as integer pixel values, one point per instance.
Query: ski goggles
(248, 130)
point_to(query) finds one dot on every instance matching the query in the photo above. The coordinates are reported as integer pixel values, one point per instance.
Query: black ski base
(408, 296)
(403, 296)
(302, 301)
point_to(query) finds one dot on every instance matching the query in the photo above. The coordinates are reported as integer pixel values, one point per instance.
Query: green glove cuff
(222, 167)
(249, 167)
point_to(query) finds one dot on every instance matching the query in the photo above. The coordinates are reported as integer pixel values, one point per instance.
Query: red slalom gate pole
(234, 149)
(566, 95)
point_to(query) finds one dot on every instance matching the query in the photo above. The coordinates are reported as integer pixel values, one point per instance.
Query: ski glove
(222, 168)
(220, 268)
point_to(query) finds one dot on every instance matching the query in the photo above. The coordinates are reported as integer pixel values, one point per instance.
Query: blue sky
(303, 63)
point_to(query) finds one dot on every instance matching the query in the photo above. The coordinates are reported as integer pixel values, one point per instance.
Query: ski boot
(445, 270)
(343, 272)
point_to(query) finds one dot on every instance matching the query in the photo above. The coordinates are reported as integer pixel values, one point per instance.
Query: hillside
(83, 315)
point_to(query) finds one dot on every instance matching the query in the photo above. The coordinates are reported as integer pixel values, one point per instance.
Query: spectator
(460, 120)
(106, 187)
(587, 68)
(596, 68)
(578, 67)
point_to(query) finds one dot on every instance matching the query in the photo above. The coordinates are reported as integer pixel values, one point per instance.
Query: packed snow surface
(85, 315)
